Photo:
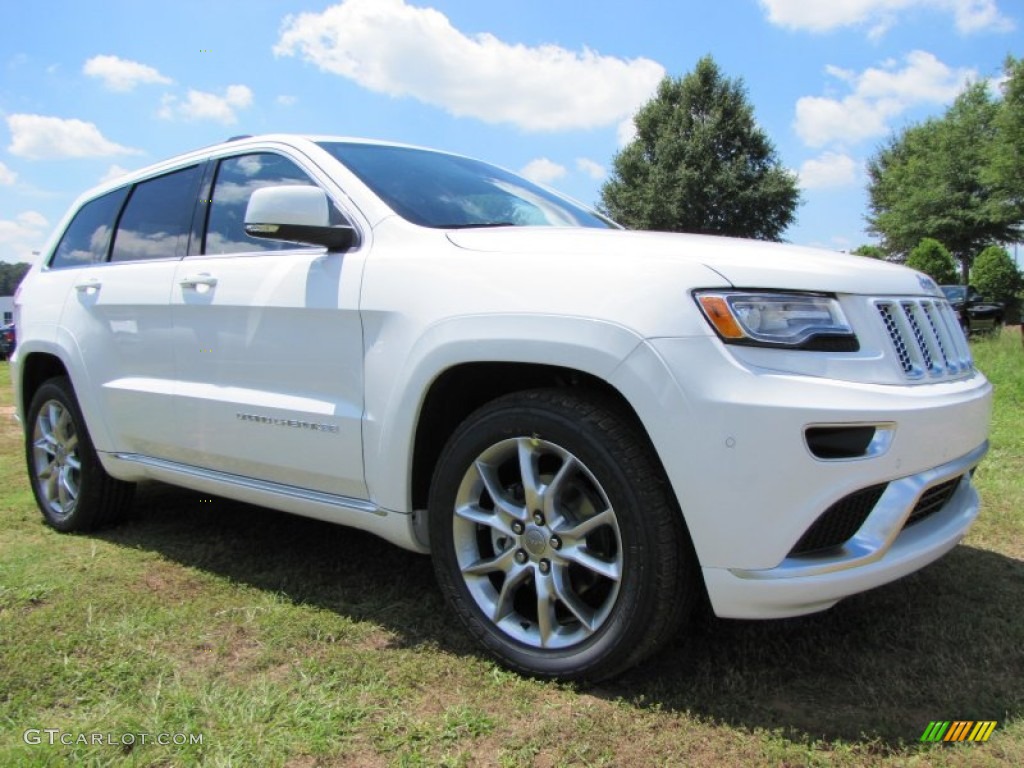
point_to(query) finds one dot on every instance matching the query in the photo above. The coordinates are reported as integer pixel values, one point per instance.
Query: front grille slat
(910, 311)
(926, 338)
(934, 324)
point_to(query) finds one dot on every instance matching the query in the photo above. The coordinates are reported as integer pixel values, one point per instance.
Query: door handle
(203, 278)
(88, 285)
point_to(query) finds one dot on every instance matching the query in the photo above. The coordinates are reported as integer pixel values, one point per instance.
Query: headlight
(790, 320)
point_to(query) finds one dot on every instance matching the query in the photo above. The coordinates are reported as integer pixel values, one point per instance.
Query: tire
(73, 491)
(555, 537)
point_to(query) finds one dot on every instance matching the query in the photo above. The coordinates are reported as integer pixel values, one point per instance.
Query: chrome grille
(926, 338)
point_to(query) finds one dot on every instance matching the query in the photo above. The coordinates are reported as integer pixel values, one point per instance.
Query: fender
(395, 393)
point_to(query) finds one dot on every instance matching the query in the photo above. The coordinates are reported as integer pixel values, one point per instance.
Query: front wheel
(555, 537)
(71, 487)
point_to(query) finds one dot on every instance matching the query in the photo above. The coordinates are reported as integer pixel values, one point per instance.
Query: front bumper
(884, 549)
(732, 438)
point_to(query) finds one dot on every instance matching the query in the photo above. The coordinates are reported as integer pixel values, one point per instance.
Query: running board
(361, 514)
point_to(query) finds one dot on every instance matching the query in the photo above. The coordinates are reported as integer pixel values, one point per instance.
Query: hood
(743, 263)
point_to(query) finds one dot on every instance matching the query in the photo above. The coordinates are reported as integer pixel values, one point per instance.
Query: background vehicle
(8, 341)
(588, 429)
(976, 313)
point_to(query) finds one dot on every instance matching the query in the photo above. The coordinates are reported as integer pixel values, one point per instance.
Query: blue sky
(89, 90)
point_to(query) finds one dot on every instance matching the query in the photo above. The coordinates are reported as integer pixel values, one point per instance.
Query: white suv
(587, 428)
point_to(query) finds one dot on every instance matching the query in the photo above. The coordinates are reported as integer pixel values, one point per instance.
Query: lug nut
(544, 566)
(538, 517)
(556, 543)
(518, 527)
(521, 556)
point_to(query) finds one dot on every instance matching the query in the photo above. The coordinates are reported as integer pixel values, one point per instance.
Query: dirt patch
(170, 583)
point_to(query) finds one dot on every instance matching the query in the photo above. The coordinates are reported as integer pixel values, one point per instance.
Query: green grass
(285, 641)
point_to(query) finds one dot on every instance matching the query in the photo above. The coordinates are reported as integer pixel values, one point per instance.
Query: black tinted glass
(433, 189)
(87, 237)
(237, 178)
(157, 220)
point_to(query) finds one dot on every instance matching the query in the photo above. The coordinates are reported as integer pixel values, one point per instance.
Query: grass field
(284, 641)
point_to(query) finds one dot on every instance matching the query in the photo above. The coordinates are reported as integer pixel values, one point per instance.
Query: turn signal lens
(717, 311)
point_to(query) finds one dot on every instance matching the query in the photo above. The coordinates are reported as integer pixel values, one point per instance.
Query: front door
(269, 346)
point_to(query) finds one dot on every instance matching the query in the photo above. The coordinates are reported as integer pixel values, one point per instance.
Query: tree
(1006, 169)
(871, 251)
(699, 163)
(933, 181)
(931, 257)
(10, 276)
(996, 276)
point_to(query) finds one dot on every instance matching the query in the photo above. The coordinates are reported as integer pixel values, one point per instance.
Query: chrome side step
(180, 471)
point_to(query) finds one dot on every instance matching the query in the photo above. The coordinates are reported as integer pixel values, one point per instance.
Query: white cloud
(32, 219)
(38, 137)
(22, 235)
(7, 176)
(880, 15)
(593, 169)
(113, 172)
(121, 74)
(832, 169)
(878, 96)
(285, 100)
(390, 47)
(543, 171)
(200, 105)
(626, 131)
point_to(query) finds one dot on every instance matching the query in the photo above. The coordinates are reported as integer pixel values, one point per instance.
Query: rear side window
(158, 217)
(87, 238)
(237, 179)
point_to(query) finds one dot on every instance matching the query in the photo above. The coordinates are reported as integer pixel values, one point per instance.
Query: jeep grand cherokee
(587, 428)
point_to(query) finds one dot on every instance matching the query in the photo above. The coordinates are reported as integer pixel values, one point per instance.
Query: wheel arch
(35, 369)
(461, 389)
(37, 365)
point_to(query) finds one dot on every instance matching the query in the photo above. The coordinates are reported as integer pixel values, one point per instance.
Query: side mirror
(298, 214)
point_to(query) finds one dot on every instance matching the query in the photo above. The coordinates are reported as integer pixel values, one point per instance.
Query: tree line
(10, 276)
(945, 193)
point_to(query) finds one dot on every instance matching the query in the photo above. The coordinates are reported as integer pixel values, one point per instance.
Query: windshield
(433, 189)
(953, 292)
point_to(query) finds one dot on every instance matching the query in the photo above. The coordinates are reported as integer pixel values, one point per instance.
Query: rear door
(269, 344)
(117, 315)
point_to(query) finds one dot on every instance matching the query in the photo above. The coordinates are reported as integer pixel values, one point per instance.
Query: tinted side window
(237, 178)
(87, 237)
(157, 220)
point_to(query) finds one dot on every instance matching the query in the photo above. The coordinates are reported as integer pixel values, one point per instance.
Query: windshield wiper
(477, 225)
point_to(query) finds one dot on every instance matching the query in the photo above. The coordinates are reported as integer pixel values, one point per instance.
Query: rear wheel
(555, 538)
(71, 487)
